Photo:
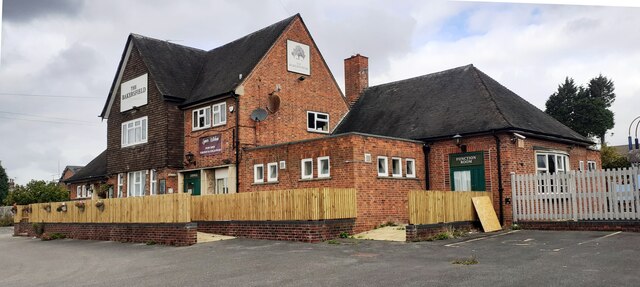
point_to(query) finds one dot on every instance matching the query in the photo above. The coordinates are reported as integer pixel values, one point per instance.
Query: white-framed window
(306, 168)
(135, 182)
(219, 114)
(258, 173)
(396, 167)
(591, 165)
(134, 132)
(581, 165)
(324, 167)
(410, 167)
(552, 162)
(367, 157)
(201, 118)
(317, 122)
(79, 191)
(153, 182)
(120, 185)
(89, 191)
(383, 167)
(272, 172)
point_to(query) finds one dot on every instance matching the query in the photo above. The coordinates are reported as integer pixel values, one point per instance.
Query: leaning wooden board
(486, 213)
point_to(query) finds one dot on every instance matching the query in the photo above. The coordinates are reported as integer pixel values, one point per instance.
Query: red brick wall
(379, 199)
(356, 75)
(165, 128)
(306, 231)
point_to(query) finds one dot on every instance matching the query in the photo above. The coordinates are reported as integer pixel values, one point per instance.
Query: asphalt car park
(510, 258)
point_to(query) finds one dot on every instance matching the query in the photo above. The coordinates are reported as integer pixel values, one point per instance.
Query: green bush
(37, 191)
(6, 220)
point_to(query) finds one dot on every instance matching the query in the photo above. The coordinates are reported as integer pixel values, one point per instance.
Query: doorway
(466, 171)
(192, 182)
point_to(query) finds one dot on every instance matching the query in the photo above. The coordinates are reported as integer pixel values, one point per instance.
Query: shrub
(38, 228)
(6, 220)
(344, 235)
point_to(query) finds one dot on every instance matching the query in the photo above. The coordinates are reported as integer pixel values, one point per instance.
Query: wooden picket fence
(429, 207)
(577, 195)
(169, 208)
(295, 204)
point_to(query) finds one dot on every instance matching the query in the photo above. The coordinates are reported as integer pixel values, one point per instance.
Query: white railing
(577, 195)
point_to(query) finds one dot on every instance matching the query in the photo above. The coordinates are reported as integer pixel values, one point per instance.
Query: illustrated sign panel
(211, 145)
(466, 159)
(133, 93)
(298, 58)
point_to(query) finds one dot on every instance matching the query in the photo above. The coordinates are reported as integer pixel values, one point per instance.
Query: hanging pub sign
(211, 145)
(466, 159)
(298, 58)
(133, 93)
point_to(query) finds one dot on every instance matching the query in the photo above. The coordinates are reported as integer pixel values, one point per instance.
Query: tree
(611, 159)
(37, 191)
(4, 184)
(585, 110)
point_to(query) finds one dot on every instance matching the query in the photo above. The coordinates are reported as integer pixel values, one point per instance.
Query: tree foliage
(4, 184)
(612, 159)
(37, 191)
(585, 110)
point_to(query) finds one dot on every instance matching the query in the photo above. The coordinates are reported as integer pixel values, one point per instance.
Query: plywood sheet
(486, 213)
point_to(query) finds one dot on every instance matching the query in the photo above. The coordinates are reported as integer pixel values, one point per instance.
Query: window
(551, 162)
(79, 191)
(324, 168)
(383, 169)
(396, 167)
(135, 183)
(410, 167)
(462, 180)
(367, 157)
(120, 184)
(581, 165)
(219, 114)
(134, 132)
(272, 172)
(153, 182)
(306, 166)
(591, 165)
(317, 122)
(201, 118)
(258, 173)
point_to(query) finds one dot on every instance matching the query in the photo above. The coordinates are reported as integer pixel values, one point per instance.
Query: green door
(466, 171)
(192, 183)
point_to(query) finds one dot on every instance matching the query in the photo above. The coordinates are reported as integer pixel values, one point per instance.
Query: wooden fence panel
(429, 207)
(169, 208)
(577, 195)
(295, 204)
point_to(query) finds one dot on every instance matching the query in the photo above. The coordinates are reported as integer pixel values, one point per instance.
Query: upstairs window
(324, 167)
(201, 118)
(306, 166)
(383, 169)
(134, 132)
(317, 122)
(219, 114)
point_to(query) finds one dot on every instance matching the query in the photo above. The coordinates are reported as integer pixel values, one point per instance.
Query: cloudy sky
(58, 58)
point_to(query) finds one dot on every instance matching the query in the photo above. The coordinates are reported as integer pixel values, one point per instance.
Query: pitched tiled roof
(462, 100)
(96, 169)
(191, 75)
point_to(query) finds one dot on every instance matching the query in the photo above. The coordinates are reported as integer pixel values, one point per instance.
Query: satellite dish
(273, 103)
(259, 114)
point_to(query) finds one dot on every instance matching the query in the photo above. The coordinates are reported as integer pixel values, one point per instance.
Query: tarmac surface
(520, 258)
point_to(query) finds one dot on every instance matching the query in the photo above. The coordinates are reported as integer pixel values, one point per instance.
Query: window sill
(132, 145)
(219, 125)
(265, 183)
(399, 178)
(199, 129)
(315, 179)
(318, 132)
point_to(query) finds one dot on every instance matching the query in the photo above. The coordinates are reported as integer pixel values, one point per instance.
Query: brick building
(265, 113)
(86, 182)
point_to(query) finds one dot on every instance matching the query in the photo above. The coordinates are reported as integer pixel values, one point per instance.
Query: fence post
(572, 194)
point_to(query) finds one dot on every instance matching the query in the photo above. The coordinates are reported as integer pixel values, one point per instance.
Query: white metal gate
(577, 195)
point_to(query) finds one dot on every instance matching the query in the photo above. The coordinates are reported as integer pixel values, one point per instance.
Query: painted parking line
(601, 237)
(480, 238)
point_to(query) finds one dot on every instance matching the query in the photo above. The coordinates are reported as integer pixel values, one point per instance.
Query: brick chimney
(356, 77)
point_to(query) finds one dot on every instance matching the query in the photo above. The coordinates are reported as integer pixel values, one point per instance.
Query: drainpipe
(500, 188)
(237, 139)
(426, 149)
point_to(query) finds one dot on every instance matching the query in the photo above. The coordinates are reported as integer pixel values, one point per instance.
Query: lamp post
(630, 138)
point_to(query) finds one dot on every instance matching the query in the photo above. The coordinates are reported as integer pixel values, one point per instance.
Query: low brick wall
(591, 225)
(22, 228)
(424, 232)
(306, 231)
(177, 234)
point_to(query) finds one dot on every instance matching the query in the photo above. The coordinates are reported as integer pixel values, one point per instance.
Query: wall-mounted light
(190, 158)
(301, 78)
(457, 139)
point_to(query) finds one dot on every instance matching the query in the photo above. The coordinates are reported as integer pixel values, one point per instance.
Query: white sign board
(298, 58)
(133, 93)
